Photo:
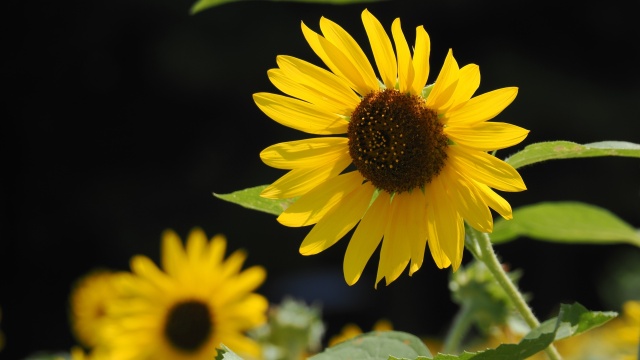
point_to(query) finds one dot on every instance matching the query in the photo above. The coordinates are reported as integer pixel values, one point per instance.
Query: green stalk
(488, 257)
(461, 324)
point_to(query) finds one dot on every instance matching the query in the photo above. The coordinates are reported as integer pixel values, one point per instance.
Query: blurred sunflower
(185, 311)
(88, 299)
(417, 156)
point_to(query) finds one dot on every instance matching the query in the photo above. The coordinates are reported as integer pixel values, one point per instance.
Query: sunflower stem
(461, 324)
(490, 259)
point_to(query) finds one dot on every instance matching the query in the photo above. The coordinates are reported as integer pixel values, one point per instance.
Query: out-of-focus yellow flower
(88, 300)
(350, 330)
(184, 311)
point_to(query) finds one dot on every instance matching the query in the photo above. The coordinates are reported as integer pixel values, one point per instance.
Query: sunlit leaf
(572, 320)
(205, 4)
(565, 222)
(552, 150)
(251, 199)
(376, 345)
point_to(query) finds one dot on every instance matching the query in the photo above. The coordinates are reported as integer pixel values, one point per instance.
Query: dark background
(122, 117)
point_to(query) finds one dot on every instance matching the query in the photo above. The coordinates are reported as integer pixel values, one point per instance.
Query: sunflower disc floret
(395, 141)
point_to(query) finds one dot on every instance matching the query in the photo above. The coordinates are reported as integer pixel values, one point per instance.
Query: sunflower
(88, 300)
(185, 311)
(414, 164)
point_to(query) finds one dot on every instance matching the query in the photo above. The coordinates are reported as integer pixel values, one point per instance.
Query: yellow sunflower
(88, 300)
(414, 164)
(185, 311)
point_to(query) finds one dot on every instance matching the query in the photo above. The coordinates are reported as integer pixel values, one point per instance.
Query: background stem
(458, 329)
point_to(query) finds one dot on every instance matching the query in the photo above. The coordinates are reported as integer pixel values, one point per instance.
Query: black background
(122, 117)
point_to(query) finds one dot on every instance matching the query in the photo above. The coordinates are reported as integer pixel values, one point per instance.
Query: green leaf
(552, 150)
(251, 199)
(565, 222)
(376, 345)
(205, 4)
(572, 320)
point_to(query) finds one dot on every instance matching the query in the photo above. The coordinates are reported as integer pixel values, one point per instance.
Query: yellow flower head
(89, 298)
(413, 165)
(185, 311)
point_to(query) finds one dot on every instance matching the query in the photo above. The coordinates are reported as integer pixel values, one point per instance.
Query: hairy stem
(489, 258)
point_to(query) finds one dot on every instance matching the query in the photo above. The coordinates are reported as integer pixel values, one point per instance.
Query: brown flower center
(188, 325)
(395, 141)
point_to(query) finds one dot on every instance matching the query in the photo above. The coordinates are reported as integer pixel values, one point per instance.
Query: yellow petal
(173, 255)
(337, 61)
(216, 250)
(485, 169)
(441, 96)
(482, 107)
(495, 201)
(447, 226)
(299, 181)
(366, 238)
(306, 153)
(439, 257)
(340, 219)
(486, 136)
(233, 263)
(242, 284)
(295, 88)
(196, 245)
(300, 115)
(382, 49)
(405, 63)
(415, 213)
(246, 312)
(395, 252)
(315, 204)
(467, 201)
(468, 83)
(343, 41)
(421, 54)
(144, 267)
(319, 79)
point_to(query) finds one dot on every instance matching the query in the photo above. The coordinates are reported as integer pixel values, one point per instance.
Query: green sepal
(552, 150)
(376, 345)
(565, 222)
(251, 199)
